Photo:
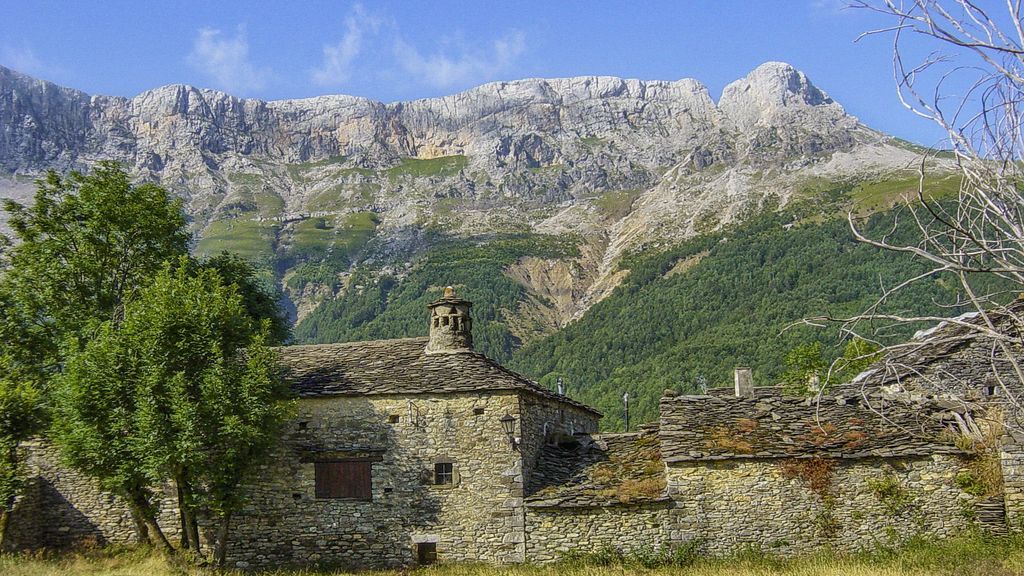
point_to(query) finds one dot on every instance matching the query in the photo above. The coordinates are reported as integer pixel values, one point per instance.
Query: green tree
(95, 408)
(857, 356)
(21, 417)
(86, 243)
(804, 364)
(259, 297)
(211, 396)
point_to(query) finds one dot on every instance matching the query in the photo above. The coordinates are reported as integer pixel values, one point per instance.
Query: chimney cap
(449, 297)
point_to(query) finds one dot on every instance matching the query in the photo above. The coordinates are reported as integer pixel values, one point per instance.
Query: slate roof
(399, 366)
(694, 428)
(599, 470)
(955, 341)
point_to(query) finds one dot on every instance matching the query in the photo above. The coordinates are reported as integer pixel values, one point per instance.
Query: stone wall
(61, 508)
(544, 420)
(553, 532)
(479, 518)
(792, 506)
(1011, 456)
(773, 505)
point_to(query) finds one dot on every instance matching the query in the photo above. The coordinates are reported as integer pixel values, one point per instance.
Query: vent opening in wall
(426, 552)
(303, 425)
(394, 419)
(478, 411)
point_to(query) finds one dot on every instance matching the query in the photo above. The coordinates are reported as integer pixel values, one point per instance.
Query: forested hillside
(684, 315)
(694, 312)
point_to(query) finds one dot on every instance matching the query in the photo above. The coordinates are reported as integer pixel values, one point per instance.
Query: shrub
(890, 493)
(815, 473)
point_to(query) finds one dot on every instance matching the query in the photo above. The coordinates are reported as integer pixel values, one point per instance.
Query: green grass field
(441, 167)
(245, 237)
(968, 555)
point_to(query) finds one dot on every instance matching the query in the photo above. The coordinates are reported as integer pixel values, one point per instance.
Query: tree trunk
(182, 517)
(188, 518)
(221, 547)
(141, 530)
(142, 508)
(5, 521)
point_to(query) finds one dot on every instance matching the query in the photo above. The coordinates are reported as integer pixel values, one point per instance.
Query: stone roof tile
(599, 470)
(399, 366)
(856, 426)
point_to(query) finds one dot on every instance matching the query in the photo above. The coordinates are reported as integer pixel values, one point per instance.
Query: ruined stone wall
(543, 419)
(789, 506)
(553, 532)
(1011, 457)
(728, 505)
(477, 519)
(62, 508)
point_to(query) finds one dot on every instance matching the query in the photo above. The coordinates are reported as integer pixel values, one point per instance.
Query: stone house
(416, 450)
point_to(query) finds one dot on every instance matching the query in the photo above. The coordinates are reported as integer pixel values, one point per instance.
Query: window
(426, 552)
(394, 419)
(478, 411)
(343, 479)
(444, 473)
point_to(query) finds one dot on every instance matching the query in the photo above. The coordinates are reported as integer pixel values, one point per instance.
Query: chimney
(451, 328)
(744, 382)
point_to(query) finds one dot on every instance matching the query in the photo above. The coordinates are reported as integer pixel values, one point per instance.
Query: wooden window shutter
(344, 479)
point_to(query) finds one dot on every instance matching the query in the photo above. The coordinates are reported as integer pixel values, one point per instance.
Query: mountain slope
(335, 182)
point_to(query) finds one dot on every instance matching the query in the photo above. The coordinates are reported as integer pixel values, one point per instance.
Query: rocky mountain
(319, 187)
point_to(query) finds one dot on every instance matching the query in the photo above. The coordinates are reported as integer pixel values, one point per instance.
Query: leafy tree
(21, 417)
(259, 297)
(96, 403)
(85, 245)
(804, 364)
(209, 388)
(857, 356)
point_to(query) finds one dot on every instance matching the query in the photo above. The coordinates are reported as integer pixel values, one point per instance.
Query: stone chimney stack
(744, 382)
(451, 328)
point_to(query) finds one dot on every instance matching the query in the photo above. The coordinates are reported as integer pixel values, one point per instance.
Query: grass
(966, 555)
(442, 166)
(617, 204)
(297, 171)
(316, 238)
(342, 196)
(882, 195)
(245, 237)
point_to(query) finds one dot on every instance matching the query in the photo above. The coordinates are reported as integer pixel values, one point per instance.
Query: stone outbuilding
(416, 450)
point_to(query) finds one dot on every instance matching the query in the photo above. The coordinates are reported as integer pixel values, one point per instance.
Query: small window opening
(443, 473)
(394, 419)
(444, 321)
(478, 411)
(988, 390)
(437, 321)
(426, 552)
(389, 490)
(303, 425)
(296, 496)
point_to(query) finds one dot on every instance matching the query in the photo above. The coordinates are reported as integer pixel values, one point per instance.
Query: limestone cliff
(618, 163)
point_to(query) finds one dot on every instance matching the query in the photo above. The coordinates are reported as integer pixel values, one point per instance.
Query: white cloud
(469, 66)
(226, 61)
(831, 7)
(336, 67)
(22, 59)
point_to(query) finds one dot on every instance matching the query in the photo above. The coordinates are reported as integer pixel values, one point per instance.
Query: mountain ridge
(619, 164)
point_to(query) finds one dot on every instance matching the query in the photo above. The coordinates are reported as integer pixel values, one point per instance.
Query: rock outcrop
(537, 154)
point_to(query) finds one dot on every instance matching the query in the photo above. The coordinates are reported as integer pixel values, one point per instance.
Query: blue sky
(391, 50)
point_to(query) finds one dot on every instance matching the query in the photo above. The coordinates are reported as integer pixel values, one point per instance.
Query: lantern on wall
(508, 424)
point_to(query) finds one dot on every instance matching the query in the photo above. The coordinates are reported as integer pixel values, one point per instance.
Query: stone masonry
(420, 450)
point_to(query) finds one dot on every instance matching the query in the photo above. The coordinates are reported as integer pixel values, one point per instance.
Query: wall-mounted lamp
(508, 424)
